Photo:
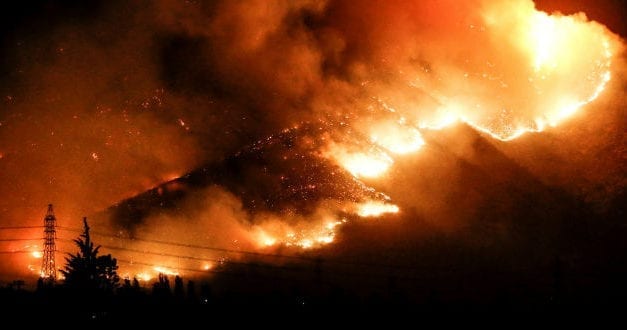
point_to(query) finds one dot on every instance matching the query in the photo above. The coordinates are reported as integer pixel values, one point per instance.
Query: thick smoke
(113, 99)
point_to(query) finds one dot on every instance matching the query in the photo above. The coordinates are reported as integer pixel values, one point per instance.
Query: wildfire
(370, 163)
(568, 66)
(304, 234)
(375, 209)
(166, 271)
(551, 66)
(265, 239)
(396, 138)
(146, 277)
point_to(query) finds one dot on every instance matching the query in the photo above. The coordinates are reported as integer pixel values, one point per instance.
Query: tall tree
(86, 269)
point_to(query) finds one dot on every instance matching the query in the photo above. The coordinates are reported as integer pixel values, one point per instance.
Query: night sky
(227, 124)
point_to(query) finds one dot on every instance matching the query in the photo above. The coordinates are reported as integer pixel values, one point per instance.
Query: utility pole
(48, 267)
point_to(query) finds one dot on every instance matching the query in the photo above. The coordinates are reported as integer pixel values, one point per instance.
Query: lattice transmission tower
(48, 266)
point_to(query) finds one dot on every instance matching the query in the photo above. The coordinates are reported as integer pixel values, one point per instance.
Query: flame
(37, 254)
(552, 66)
(146, 277)
(396, 137)
(444, 117)
(369, 163)
(544, 37)
(166, 271)
(375, 209)
(304, 234)
(569, 62)
(315, 232)
(265, 239)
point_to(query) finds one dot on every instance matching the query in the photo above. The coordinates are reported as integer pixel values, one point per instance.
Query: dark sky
(255, 108)
(608, 12)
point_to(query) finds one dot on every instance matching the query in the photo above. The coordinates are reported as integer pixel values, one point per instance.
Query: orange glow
(166, 271)
(519, 71)
(396, 138)
(444, 116)
(569, 62)
(171, 177)
(146, 277)
(305, 235)
(305, 243)
(544, 38)
(375, 209)
(265, 239)
(365, 164)
(370, 163)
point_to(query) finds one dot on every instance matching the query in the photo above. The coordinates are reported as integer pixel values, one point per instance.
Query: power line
(251, 253)
(194, 258)
(19, 239)
(221, 272)
(20, 251)
(343, 274)
(155, 265)
(195, 246)
(19, 227)
(259, 254)
(147, 252)
(247, 264)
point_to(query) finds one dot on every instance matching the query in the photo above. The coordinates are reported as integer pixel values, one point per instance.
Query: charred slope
(283, 173)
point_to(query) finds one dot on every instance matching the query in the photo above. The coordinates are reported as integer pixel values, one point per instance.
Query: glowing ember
(207, 266)
(37, 254)
(304, 235)
(375, 209)
(317, 236)
(332, 224)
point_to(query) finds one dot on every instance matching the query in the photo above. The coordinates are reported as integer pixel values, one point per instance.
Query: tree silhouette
(87, 270)
(179, 292)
